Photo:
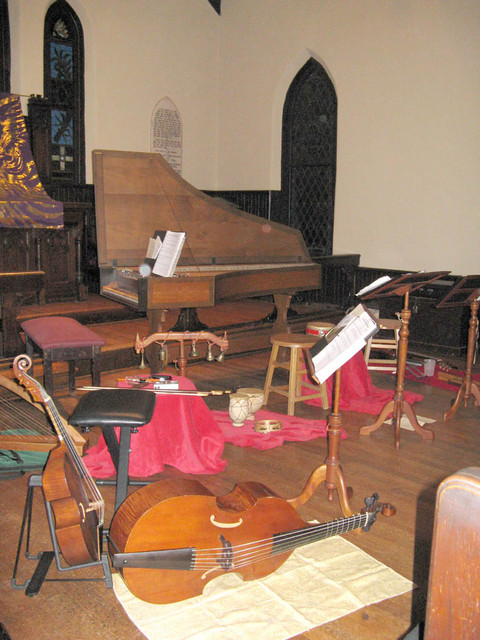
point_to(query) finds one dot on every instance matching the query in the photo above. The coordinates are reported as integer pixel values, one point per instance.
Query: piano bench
(110, 408)
(61, 339)
(295, 365)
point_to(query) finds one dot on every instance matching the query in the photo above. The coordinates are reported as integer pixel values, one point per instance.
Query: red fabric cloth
(293, 429)
(357, 392)
(182, 434)
(434, 380)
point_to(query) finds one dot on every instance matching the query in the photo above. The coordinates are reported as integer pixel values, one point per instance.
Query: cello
(169, 538)
(77, 505)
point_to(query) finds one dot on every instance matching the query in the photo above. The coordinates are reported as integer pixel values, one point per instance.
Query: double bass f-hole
(225, 525)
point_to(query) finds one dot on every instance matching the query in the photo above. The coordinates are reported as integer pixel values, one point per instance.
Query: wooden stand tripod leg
(331, 472)
(399, 406)
(467, 388)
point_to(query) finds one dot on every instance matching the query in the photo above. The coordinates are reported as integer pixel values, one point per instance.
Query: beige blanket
(318, 583)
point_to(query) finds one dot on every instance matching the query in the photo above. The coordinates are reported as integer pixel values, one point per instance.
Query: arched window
(63, 80)
(309, 151)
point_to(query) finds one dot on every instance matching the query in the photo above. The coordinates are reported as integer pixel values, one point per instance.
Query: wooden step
(247, 333)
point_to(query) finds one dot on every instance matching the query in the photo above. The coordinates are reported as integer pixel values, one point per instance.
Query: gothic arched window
(63, 80)
(309, 151)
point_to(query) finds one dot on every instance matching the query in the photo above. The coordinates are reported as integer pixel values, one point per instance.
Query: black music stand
(402, 286)
(465, 291)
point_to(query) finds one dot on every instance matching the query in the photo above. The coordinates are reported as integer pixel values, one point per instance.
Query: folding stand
(330, 472)
(401, 286)
(465, 291)
(32, 585)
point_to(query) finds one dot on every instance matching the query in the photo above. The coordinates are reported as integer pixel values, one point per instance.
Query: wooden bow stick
(181, 337)
(161, 392)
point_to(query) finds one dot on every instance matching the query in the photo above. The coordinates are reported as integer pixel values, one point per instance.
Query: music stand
(330, 472)
(401, 286)
(465, 291)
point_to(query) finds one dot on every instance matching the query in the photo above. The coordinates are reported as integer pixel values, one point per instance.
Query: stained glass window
(64, 89)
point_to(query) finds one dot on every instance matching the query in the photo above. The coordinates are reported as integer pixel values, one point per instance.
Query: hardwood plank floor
(407, 478)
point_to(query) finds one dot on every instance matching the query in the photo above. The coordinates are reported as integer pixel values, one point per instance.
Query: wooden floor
(408, 479)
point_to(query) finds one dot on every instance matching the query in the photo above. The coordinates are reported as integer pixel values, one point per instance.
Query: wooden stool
(61, 339)
(383, 344)
(296, 343)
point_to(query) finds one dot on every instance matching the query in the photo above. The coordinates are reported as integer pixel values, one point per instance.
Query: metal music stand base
(44, 559)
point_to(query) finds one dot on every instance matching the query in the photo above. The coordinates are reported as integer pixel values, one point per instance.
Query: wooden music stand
(402, 286)
(465, 291)
(330, 472)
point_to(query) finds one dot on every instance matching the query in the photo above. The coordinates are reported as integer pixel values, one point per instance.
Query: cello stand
(44, 559)
(331, 472)
(398, 406)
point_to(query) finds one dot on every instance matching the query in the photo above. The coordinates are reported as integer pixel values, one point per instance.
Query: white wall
(407, 81)
(408, 88)
(136, 53)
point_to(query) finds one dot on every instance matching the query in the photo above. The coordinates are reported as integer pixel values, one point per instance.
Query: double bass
(170, 538)
(77, 505)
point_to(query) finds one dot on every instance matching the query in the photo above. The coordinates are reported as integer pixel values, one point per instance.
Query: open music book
(164, 249)
(341, 343)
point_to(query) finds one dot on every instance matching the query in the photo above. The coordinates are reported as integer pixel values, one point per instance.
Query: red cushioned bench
(61, 339)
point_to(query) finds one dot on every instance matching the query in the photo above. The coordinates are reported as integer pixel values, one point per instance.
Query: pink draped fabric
(435, 381)
(357, 392)
(182, 434)
(293, 429)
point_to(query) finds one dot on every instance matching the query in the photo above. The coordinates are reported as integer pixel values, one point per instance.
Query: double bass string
(22, 363)
(248, 553)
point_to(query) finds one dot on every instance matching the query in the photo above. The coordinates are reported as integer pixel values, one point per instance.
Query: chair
(61, 339)
(381, 343)
(294, 363)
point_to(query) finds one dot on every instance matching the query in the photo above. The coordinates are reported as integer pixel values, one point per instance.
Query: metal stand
(44, 559)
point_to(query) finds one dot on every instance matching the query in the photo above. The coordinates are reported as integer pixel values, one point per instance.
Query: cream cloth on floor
(405, 422)
(318, 583)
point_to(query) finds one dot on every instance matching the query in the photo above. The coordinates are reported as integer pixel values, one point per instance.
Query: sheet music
(169, 253)
(373, 285)
(154, 246)
(342, 342)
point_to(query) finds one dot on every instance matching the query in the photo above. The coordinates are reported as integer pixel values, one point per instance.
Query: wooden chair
(381, 343)
(295, 344)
